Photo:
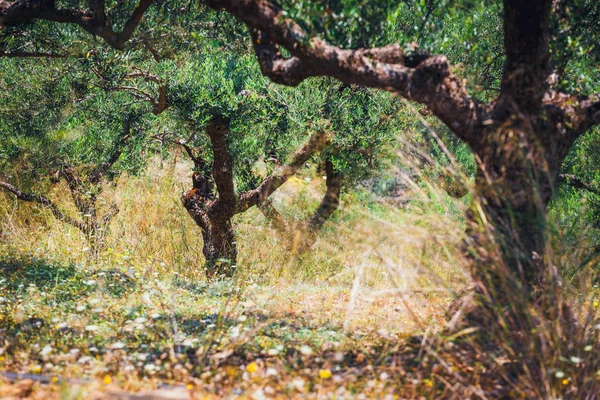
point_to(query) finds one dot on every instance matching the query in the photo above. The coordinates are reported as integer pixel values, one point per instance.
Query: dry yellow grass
(371, 260)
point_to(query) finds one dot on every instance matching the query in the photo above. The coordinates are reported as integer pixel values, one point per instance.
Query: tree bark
(514, 184)
(94, 21)
(219, 245)
(213, 213)
(220, 249)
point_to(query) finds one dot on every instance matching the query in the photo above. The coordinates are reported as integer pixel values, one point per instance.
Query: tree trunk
(213, 214)
(220, 249)
(307, 231)
(329, 204)
(515, 179)
(214, 219)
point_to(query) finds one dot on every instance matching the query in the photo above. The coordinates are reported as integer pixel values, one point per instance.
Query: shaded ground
(84, 333)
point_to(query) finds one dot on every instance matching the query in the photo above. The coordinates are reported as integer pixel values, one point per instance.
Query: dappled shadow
(222, 351)
(18, 274)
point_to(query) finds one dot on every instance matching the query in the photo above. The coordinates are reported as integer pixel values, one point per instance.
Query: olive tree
(56, 131)
(520, 137)
(245, 135)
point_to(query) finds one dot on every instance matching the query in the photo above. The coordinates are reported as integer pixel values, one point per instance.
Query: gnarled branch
(44, 201)
(417, 76)
(273, 182)
(93, 20)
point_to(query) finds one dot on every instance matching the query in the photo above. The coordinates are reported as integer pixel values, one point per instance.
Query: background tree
(72, 134)
(526, 113)
(251, 128)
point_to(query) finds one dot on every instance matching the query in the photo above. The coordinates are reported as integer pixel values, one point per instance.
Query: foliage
(268, 122)
(72, 111)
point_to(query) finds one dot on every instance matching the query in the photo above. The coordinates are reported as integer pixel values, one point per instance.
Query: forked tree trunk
(212, 213)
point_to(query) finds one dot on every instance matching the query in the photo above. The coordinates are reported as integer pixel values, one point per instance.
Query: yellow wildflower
(252, 367)
(325, 374)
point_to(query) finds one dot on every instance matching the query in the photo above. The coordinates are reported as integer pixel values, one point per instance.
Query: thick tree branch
(93, 20)
(578, 183)
(251, 198)
(44, 201)
(420, 77)
(196, 205)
